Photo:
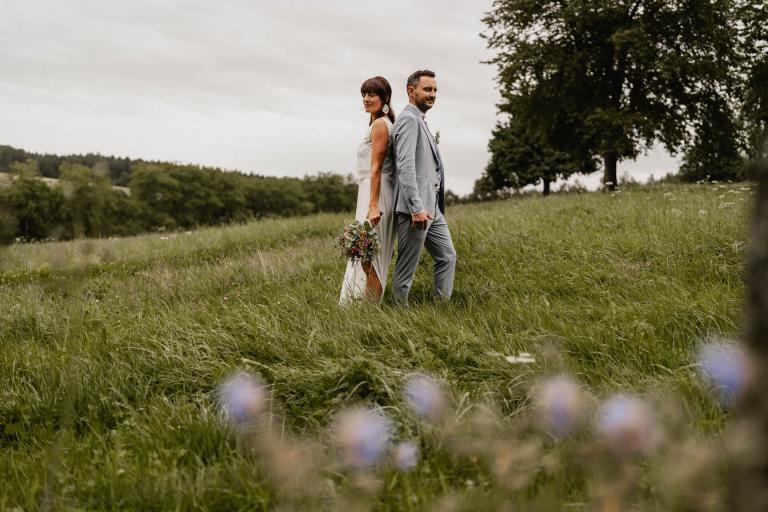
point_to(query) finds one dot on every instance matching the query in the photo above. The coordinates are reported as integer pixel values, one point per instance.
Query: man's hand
(374, 215)
(420, 220)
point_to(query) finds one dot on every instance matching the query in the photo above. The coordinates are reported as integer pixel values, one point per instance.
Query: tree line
(85, 201)
(585, 84)
(118, 169)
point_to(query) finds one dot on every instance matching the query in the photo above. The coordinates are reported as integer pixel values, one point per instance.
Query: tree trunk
(609, 178)
(749, 439)
(546, 187)
(611, 158)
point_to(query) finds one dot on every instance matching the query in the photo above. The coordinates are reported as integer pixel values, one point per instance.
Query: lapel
(430, 139)
(423, 125)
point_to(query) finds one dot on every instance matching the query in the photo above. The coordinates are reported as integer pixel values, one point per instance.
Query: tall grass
(111, 350)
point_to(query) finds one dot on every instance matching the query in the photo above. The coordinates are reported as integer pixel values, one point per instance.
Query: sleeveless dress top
(363, 169)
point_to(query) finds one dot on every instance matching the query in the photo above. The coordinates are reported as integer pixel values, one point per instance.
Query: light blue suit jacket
(418, 166)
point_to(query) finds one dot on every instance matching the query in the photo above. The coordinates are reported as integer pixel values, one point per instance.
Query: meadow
(112, 351)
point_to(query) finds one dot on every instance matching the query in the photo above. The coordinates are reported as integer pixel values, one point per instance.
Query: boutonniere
(437, 137)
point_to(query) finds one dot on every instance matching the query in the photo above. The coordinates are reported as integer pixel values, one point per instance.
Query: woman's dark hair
(379, 86)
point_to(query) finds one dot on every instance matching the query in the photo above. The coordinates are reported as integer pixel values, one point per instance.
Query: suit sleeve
(406, 137)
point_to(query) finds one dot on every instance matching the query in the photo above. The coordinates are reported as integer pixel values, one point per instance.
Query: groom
(420, 194)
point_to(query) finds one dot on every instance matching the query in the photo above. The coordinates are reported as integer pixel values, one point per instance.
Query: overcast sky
(253, 85)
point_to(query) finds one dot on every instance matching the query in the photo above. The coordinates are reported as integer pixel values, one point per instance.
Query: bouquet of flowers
(359, 241)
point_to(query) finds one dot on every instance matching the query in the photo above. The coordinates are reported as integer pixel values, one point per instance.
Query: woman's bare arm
(379, 145)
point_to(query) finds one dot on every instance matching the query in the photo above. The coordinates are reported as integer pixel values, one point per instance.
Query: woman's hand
(374, 215)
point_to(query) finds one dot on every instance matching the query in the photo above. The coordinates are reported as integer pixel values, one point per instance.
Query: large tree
(520, 156)
(614, 77)
(716, 153)
(754, 113)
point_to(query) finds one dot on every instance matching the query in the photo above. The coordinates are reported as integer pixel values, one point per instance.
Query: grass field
(111, 350)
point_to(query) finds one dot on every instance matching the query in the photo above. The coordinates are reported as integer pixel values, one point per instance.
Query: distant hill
(5, 181)
(119, 173)
(119, 168)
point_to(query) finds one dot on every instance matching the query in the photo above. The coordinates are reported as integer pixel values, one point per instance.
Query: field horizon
(113, 351)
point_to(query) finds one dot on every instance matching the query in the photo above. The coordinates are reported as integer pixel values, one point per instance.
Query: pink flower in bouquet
(359, 241)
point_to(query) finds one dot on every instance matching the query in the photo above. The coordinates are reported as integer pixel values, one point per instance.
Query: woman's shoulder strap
(382, 121)
(386, 122)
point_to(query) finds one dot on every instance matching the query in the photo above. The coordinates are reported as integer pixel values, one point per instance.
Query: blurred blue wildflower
(242, 396)
(406, 456)
(424, 396)
(559, 404)
(726, 366)
(628, 424)
(362, 435)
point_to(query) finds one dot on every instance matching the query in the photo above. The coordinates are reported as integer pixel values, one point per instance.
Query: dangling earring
(385, 109)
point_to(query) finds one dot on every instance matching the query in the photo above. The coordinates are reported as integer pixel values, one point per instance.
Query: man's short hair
(413, 80)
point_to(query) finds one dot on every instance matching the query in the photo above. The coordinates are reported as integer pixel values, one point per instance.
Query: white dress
(353, 286)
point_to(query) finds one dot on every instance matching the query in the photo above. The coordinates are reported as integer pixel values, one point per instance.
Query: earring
(385, 109)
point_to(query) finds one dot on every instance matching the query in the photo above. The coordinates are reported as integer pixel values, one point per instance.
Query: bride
(375, 175)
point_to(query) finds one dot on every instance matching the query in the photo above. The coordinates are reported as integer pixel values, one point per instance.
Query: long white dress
(353, 285)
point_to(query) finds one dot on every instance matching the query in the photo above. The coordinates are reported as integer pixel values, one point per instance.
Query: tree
(331, 192)
(520, 157)
(451, 198)
(617, 76)
(10, 155)
(755, 115)
(25, 169)
(8, 222)
(754, 111)
(92, 206)
(230, 195)
(715, 154)
(186, 196)
(30, 209)
(277, 197)
(199, 203)
(157, 195)
(730, 136)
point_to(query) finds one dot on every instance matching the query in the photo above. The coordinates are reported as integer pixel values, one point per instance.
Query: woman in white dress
(375, 175)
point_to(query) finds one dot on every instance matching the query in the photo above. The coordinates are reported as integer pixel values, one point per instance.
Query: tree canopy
(606, 80)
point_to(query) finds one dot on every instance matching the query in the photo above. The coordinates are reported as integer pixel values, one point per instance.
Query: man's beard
(422, 105)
